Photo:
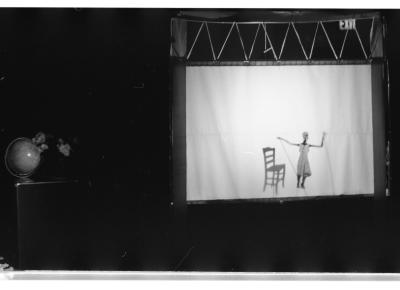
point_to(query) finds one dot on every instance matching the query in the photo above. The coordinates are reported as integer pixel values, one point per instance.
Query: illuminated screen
(233, 112)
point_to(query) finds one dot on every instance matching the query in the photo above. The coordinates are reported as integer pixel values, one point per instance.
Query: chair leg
(265, 181)
(279, 179)
(273, 178)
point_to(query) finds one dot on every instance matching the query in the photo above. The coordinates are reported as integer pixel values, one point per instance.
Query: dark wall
(100, 75)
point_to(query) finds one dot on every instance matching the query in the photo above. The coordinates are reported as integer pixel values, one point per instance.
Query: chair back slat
(269, 156)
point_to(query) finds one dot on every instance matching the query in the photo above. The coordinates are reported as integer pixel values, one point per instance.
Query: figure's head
(39, 138)
(305, 136)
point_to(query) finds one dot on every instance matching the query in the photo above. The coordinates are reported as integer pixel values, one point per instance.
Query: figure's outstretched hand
(324, 134)
(279, 138)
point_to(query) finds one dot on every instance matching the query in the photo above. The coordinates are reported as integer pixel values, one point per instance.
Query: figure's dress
(303, 165)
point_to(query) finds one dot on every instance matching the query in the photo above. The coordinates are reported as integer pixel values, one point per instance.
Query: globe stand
(19, 180)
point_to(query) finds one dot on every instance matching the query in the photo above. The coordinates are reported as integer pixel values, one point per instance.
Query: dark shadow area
(337, 235)
(98, 78)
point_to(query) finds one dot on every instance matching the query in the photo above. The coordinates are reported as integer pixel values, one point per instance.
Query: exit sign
(347, 24)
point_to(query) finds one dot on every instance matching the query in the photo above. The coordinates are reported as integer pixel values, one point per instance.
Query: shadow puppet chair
(274, 173)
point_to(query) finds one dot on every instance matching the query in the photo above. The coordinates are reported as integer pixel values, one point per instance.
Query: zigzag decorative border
(268, 46)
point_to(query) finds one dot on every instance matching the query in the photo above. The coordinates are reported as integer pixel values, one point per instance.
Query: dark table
(51, 215)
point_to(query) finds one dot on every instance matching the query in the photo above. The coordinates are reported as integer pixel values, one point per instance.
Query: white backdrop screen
(232, 112)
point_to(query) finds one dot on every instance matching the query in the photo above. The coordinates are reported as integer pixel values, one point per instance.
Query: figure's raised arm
(322, 141)
(290, 143)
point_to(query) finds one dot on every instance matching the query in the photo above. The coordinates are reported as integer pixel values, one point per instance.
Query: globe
(22, 157)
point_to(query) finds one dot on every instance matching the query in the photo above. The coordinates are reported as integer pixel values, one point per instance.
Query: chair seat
(276, 167)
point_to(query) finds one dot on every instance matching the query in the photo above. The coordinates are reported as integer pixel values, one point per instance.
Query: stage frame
(380, 105)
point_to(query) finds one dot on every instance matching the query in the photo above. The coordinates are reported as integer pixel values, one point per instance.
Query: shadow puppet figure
(303, 165)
